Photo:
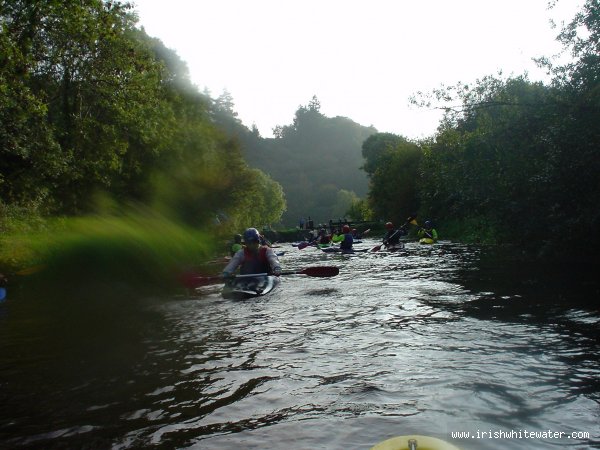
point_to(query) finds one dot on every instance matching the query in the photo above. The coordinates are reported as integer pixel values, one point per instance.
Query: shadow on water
(562, 298)
(67, 352)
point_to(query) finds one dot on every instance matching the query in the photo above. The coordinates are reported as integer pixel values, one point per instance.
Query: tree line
(91, 106)
(316, 159)
(512, 161)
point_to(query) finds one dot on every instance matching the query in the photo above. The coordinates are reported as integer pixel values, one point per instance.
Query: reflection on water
(430, 341)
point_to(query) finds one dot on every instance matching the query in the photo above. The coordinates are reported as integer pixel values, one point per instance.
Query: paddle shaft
(319, 271)
(428, 234)
(378, 247)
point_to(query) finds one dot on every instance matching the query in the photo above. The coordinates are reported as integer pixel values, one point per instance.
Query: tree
(224, 103)
(392, 165)
(92, 104)
(510, 148)
(313, 158)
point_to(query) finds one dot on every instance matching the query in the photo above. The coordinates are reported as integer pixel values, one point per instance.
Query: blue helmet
(427, 224)
(251, 235)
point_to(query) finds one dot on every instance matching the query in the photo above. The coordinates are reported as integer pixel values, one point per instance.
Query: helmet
(427, 224)
(345, 229)
(251, 235)
(237, 238)
(389, 225)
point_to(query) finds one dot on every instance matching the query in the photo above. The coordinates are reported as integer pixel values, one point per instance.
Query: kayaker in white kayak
(254, 257)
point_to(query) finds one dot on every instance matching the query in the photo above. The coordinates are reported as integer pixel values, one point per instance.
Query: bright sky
(363, 59)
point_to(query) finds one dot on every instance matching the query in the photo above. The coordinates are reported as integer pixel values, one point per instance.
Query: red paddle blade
(192, 280)
(320, 271)
(376, 248)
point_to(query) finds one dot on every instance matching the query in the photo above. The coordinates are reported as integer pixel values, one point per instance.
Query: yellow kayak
(426, 241)
(414, 442)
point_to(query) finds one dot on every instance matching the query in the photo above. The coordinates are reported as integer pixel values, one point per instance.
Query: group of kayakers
(391, 240)
(252, 253)
(340, 236)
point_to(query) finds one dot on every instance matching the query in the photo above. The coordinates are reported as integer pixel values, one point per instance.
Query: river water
(431, 340)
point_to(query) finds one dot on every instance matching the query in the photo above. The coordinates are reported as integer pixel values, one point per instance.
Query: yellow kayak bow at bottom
(414, 442)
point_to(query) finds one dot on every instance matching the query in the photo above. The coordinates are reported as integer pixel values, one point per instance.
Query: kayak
(394, 248)
(249, 286)
(428, 241)
(414, 442)
(343, 252)
(301, 244)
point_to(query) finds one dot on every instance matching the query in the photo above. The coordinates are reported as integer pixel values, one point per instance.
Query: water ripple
(424, 341)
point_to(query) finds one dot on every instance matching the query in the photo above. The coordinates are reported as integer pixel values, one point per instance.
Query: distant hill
(316, 159)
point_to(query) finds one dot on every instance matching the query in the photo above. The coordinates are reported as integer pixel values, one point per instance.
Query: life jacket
(346, 244)
(255, 263)
(428, 233)
(393, 236)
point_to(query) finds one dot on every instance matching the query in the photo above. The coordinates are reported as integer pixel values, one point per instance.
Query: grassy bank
(138, 247)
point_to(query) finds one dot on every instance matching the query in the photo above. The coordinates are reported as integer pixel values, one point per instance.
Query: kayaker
(323, 238)
(427, 231)
(337, 236)
(254, 257)
(348, 240)
(392, 236)
(237, 244)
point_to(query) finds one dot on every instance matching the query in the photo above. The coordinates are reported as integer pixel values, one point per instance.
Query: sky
(363, 59)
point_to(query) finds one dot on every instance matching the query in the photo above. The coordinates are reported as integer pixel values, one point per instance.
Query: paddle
(317, 271)
(411, 219)
(192, 281)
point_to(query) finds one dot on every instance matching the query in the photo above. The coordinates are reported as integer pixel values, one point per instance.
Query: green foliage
(474, 230)
(89, 104)
(514, 151)
(517, 161)
(137, 247)
(16, 223)
(392, 164)
(523, 150)
(360, 210)
(344, 201)
(314, 159)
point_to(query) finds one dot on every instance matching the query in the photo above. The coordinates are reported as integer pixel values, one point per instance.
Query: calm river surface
(431, 340)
